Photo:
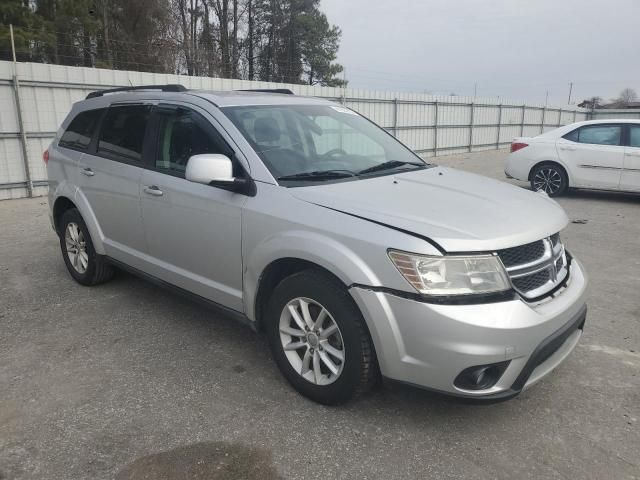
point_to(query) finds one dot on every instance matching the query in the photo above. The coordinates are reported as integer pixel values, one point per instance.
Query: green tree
(319, 47)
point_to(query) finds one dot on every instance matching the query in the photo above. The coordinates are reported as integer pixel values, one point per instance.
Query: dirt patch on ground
(207, 460)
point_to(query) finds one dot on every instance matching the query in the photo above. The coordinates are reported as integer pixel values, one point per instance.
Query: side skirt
(226, 311)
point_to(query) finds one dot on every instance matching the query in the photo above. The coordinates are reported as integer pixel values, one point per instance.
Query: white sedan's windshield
(320, 142)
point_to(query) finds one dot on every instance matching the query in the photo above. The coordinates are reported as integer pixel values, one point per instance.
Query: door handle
(633, 154)
(88, 172)
(153, 190)
(567, 148)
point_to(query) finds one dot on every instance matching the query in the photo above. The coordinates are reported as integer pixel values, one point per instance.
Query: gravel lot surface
(130, 381)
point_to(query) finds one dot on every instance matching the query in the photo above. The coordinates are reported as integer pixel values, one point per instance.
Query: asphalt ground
(130, 381)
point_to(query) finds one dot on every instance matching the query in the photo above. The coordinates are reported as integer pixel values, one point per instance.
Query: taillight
(515, 146)
(45, 156)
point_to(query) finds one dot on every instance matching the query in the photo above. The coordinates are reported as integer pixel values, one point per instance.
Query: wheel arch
(289, 252)
(61, 205)
(276, 272)
(552, 162)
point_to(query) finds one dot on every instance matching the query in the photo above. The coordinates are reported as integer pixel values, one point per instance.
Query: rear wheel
(550, 178)
(81, 259)
(319, 339)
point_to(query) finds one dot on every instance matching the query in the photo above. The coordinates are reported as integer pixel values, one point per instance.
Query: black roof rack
(283, 91)
(164, 88)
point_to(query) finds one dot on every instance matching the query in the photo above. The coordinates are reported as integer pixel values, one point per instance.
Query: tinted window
(634, 136)
(122, 132)
(182, 134)
(600, 135)
(79, 132)
(573, 136)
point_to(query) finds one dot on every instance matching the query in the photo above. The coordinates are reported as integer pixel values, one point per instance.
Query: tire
(551, 178)
(87, 267)
(357, 372)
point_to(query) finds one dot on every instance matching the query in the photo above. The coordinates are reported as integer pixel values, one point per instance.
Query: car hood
(459, 211)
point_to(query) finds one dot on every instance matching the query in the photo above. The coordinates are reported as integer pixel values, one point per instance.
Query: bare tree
(627, 96)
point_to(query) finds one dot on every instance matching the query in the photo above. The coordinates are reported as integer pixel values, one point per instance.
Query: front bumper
(428, 345)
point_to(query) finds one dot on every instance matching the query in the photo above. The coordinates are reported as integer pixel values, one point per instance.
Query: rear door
(630, 179)
(110, 180)
(594, 154)
(193, 231)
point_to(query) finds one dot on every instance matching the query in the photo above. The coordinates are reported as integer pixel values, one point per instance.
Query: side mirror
(209, 167)
(217, 170)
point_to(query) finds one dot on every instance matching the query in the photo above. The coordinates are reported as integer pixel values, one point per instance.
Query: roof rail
(163, 88)
(283, 91)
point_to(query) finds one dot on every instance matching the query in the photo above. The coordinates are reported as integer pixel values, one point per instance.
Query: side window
(573, 135)
(634, 136)
(122, 133)
(78, 134)
(182, 134)
(600, 134)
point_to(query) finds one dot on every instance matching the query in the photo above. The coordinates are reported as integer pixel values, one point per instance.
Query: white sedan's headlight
(452, 275)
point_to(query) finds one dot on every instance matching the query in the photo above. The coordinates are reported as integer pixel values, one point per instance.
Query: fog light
(480, 377)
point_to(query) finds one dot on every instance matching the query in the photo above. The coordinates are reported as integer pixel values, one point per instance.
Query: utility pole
(546, 99)
(23, 135)
(475, 90)
(570, 90)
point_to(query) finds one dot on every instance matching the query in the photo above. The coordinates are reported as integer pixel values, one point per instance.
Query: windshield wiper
(319, 175)
(388, 166)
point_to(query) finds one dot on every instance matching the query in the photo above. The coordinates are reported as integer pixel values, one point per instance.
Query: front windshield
(320, 143)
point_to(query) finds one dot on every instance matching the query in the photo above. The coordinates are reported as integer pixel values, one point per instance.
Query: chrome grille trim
(529, 274)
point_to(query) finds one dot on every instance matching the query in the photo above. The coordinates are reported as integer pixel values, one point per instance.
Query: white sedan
(600, 154)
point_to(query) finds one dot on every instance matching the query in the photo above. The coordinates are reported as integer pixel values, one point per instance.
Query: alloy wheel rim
(547, 179)
(76, 247)
(312, 341)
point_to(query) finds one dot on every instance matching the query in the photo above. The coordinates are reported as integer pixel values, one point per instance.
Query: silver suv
(305, 220)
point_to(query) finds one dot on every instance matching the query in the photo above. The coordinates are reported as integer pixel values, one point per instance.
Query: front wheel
(319, 339)
(550, 178)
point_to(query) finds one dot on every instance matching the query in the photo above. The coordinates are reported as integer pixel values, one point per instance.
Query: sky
(514, 49)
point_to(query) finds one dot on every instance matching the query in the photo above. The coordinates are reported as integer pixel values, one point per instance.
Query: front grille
(521, 255)
(537, 267)
(531, 282)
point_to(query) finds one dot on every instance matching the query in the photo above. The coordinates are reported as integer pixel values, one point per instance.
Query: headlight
(452, 275)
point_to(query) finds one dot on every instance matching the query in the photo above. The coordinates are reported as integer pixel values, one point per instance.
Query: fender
(335, 257)
(61, 189)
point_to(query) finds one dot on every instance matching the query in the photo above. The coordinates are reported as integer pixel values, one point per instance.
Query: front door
(193, 231)
(594, 154)
(630, 179)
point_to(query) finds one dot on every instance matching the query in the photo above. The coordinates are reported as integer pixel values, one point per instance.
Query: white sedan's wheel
(549, 178)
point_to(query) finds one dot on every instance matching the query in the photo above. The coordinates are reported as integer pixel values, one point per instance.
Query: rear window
(78, 134)
(122, 133)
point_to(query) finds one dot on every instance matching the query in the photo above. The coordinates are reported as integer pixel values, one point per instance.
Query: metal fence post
(471, 127)
(499, 125)
(435, 132)
(560, 117)
(524, 109)
(395, 117)
(23, 135)
(544, 114)
(575, 113)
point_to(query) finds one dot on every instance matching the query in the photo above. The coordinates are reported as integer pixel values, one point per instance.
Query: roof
(572, 126)
(621, 105)
(240, 98)
(225, 98)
